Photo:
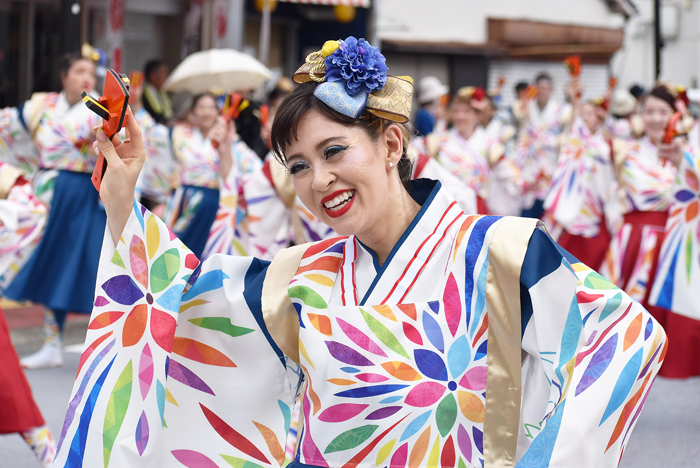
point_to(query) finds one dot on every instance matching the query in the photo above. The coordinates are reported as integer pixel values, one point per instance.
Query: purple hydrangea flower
(360, 66)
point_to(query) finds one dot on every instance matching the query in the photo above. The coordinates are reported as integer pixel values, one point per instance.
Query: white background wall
(634, 63)
(465, 20)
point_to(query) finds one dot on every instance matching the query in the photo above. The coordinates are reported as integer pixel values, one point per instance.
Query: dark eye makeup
(333, 150)
(327, 153)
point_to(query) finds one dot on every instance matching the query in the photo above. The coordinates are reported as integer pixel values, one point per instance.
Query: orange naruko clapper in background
(573, 64)
(233, 105)
(111, 107)
(672, 129)
(531, 92)
(136, 78)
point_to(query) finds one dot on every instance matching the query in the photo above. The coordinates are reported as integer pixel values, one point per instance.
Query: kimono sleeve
(179, 368)
(592, 355)
(22, 222)
(678, 275)
(16, 144)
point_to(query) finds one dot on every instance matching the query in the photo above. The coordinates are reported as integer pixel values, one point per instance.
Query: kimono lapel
(419, 244)
(545, 117)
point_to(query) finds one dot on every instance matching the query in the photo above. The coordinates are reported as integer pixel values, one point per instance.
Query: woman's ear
(393, 139)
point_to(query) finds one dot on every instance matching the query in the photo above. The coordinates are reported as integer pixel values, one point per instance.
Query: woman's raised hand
(672, 151)
(124, 162)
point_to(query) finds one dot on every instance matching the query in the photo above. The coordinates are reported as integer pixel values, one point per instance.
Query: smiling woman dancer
(388, 325)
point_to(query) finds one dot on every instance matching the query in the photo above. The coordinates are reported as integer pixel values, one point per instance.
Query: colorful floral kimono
(203, 209)
(427, 167)
(656, 190)
(156, 179)
(538, 148)
(22, 222)
(581, 204)
(61, 275)
(467, 160)
(678, 276)
(199, 364)
(504, 185)
(647, 182)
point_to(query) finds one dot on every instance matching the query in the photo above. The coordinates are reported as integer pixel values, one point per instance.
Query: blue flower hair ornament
(353, 78)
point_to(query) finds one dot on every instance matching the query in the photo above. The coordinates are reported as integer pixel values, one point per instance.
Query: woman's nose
(322, 178)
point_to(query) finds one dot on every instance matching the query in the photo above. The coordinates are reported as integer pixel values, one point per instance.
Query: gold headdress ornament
(91, 53)
(392, 102)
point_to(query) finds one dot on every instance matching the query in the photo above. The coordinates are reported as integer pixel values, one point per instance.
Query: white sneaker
(48, 356)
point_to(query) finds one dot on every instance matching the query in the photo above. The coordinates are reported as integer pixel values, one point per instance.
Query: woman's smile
(338, 203)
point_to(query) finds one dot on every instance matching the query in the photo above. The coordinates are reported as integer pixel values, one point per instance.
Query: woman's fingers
(106, 148)
(134, 132)
(117, 143)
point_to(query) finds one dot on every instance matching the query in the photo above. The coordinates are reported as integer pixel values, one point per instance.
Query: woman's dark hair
(68, 60)
(199, 96)
(286, 125)
(661, 92)
(544, 76)
(521, 86)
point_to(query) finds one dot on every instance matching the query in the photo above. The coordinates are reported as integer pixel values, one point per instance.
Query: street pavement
(667, 434)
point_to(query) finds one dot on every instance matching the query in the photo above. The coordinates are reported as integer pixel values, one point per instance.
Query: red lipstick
(343, 210)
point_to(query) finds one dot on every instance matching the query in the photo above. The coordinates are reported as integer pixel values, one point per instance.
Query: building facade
(475, 42)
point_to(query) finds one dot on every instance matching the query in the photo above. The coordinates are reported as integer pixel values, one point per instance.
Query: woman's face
(79, 77)
(205, 112)
(590, 117)
(464, 116)
(340, 174)
(655, 115)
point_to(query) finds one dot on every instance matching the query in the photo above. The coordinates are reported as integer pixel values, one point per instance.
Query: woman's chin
(343, 226)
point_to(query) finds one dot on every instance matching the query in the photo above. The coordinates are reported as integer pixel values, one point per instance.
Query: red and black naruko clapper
(111, 107)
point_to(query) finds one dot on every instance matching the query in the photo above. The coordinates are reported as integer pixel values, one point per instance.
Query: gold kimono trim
(503, 382)
(277, 309)
(8, 176)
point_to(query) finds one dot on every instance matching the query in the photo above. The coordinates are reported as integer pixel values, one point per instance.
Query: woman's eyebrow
(293, 157)
(319, 146)
(326, 141)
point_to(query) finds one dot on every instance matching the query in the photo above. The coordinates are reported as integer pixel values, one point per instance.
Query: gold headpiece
(90, 53)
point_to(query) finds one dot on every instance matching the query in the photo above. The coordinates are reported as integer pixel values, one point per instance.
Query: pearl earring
(391, 164)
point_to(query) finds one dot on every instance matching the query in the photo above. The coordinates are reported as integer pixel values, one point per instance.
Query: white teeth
(341, 199)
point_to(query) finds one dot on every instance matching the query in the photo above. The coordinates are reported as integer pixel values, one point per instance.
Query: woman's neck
(204, 130)
(466, 132)
(72, 98)
(384, 236)
(654, 141)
